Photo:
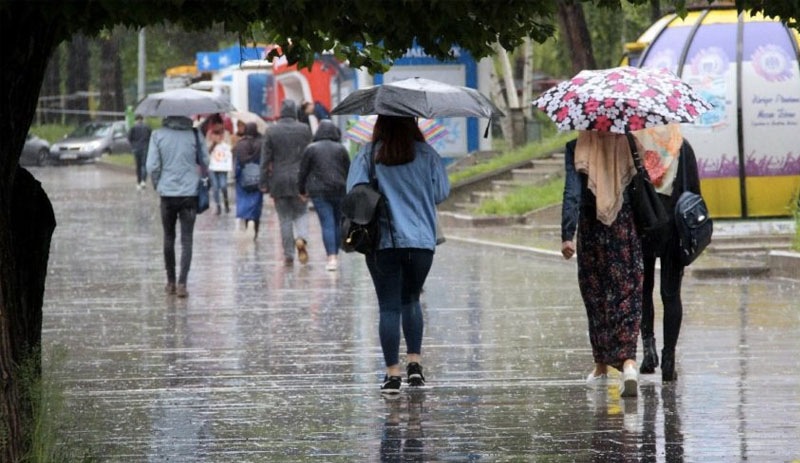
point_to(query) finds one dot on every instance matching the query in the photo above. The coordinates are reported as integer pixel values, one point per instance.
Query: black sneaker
(391, 385)
(415, 378)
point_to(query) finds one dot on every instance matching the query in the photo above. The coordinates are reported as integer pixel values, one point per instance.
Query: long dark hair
(397, 135)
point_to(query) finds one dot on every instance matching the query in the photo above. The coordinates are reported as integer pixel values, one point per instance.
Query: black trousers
(671, 278)
(176, 209)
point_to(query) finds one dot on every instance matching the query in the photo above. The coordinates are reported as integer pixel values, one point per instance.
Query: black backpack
(692, 222)
(362, 208)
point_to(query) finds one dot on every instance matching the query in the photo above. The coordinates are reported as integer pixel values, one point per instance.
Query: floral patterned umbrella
(621, 99)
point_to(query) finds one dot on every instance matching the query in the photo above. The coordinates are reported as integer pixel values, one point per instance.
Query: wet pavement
(268, 363)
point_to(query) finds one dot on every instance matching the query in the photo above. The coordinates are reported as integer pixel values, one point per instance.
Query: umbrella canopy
(361, 131)
(183, 102)
(418, 97)
(621, 100)
(247, 117)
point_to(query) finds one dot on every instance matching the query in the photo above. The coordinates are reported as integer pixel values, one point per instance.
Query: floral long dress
(610, 275)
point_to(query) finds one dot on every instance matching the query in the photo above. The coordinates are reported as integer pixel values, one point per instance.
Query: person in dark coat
(323, 177)
(669, 154)
(281, 154)
(249, 202)
(139, 137)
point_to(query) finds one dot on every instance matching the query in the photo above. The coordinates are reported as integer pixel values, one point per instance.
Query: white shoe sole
(629, 387)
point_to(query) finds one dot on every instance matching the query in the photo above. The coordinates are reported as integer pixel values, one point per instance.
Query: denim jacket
(412, 192)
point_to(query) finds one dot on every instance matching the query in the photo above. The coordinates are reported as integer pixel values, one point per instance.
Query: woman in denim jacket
(413, 180)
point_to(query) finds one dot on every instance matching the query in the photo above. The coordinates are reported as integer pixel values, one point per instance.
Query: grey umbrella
(183, 102)
(419, 98)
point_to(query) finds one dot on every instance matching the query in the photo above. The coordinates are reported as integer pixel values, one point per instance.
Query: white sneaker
(598, 380)
(333, 264)
(629, 382)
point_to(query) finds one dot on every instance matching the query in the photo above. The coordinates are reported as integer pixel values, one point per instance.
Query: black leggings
(671, 277)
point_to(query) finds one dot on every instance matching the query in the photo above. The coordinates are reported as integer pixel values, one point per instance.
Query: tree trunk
(78, 79)
(26, 222)
(527, 74)
(51, 88)
(576, 33)
(111, 97)
(655, 10)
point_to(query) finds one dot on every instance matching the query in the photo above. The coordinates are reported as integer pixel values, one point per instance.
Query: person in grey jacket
(323, 176)
(176, 158)
(281, 154)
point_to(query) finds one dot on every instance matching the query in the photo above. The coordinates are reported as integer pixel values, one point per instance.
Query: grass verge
(524, 199)
(530, 151)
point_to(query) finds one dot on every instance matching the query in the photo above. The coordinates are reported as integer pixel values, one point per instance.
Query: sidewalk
(739, 248)
(270, 363)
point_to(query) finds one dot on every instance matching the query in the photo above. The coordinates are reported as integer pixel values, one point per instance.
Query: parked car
(36, 151)
(92, 140)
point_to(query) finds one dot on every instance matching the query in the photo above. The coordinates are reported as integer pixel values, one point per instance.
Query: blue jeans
(140, 156)
(175, 209)
(330, 215)
(219, 181)
(398, 275)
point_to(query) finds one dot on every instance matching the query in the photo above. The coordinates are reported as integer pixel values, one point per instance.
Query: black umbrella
(418, 97)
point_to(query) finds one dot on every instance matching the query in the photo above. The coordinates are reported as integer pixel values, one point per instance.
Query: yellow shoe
(302, 252)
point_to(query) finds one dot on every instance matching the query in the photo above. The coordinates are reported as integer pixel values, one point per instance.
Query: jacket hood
(177, 122)
(289, 109)
(251, 130)
(327, 130)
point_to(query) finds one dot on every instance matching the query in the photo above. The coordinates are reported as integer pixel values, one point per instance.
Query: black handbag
(693, 223)
(251, 176)
(203, 185)
(649, 212)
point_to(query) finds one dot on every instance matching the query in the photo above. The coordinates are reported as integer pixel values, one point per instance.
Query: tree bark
(576, 33)
(78, 78)
(26, 222)
(51, 88)
(655, 10)
(111, 97)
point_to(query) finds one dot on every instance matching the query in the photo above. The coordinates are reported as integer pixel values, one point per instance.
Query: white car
(92, 140)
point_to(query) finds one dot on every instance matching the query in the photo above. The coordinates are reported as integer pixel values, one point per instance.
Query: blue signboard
(216, 60)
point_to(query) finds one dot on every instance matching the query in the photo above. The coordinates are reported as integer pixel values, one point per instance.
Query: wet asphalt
(264, 362)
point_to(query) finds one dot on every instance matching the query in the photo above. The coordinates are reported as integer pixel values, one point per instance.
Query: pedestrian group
(615, 264)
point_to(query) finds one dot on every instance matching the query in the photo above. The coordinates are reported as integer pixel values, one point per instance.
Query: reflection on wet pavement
(270, 363)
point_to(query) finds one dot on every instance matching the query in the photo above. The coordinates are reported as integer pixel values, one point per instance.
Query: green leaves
(383, 28)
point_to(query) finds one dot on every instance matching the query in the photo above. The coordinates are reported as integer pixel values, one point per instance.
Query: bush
(52, 132)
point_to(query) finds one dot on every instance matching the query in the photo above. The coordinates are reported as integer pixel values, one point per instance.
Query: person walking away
(176, 158)
(599, 169)
(220, 164)
(281, 154)
(323, 177)
(139, 138)
(666, 155)
(413, 179)
(249, 198)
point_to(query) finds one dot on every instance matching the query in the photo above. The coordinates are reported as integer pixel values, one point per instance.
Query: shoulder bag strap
(637, 161)
(198, 158)
(682, 166)
(373, 179)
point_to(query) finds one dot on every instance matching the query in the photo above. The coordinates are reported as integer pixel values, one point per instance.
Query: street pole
(142, 64)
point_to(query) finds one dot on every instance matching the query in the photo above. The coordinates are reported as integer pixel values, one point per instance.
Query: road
(268, 363)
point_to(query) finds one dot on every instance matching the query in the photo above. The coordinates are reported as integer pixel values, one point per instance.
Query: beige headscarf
(659, 147)
(606, 160)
